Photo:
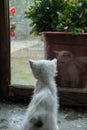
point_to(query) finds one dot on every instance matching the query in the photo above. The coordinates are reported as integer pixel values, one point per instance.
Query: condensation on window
(24, 46)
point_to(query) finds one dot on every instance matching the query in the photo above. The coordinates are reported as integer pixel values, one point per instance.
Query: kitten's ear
(55, 60)
(56, 52)
(31, 63)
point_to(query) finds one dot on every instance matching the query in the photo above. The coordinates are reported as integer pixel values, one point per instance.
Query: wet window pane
(23, 45)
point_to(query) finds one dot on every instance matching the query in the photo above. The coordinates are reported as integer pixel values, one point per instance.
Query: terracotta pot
(64, 41)
(71, 52)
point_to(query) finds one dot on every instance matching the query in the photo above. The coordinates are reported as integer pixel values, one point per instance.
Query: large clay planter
(70, 92)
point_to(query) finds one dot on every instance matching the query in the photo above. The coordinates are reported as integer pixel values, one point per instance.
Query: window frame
(6, 89)
(9, 90)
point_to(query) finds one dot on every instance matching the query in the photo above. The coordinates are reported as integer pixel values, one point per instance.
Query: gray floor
(11, 116)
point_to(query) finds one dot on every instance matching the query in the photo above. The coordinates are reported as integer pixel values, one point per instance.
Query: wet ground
(21, 52)
(12, 114)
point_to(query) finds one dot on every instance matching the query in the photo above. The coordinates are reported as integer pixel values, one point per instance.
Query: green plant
(43, 15)
(74, 17)
(58, 15)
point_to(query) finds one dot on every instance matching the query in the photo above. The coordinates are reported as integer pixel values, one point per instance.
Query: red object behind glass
(12, 11)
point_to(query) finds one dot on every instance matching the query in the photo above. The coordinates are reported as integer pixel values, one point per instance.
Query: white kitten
(42, 110)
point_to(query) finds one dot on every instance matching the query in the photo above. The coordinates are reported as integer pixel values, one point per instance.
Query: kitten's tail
(37, 122)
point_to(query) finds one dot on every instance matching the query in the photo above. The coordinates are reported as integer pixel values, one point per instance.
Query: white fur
(44, 103)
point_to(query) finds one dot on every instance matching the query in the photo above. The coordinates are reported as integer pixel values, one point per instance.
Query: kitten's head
(64, 57)
(43, 69)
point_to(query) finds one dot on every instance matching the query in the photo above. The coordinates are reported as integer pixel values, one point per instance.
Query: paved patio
(21, 52)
